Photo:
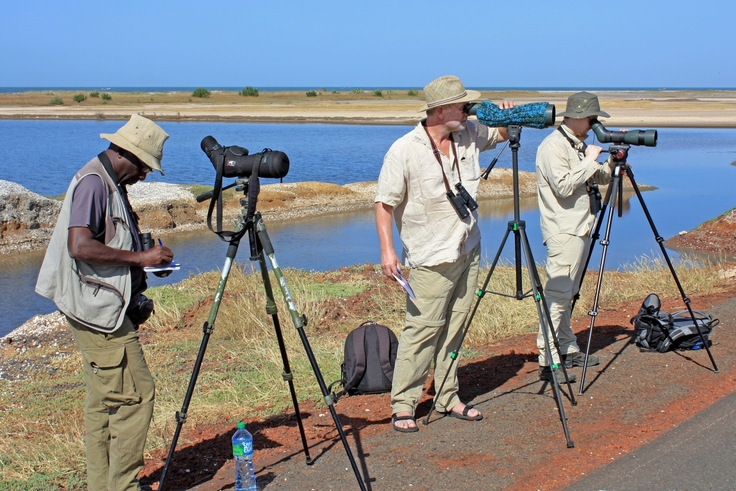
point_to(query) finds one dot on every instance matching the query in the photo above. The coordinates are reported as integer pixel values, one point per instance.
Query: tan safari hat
(583, 105)
(143, 138)
(447, 90)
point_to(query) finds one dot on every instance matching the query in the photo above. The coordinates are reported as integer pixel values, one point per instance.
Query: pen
(160, 242)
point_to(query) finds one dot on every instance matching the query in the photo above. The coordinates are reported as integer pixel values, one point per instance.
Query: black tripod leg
(286, 375)
(207, 328)
(454, 354)
(546, 323)
(660, 241)
(299, 323)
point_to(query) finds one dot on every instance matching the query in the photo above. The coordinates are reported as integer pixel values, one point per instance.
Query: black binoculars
(462, 202)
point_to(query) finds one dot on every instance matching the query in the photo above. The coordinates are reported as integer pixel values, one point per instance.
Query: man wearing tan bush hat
(93, 271)
(441, 242)
(568, 172)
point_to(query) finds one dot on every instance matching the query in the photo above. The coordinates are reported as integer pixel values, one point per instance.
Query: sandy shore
(632, 109)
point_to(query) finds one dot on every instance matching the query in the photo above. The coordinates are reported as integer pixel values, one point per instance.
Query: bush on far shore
(249, 92)
(56, 101)
(201, 92)
(80, 98)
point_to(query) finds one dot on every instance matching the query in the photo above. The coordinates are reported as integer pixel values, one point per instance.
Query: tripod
(250, 221)
(614, 196)
(521, 243)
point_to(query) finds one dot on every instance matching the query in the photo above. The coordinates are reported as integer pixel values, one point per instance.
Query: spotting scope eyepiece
(647, 138)
(237, 162)
(535, 115)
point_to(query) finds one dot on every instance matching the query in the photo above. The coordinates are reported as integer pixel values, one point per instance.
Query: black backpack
(654, 329)
(370, 356)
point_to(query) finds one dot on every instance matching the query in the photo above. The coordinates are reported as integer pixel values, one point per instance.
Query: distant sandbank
(630, 108)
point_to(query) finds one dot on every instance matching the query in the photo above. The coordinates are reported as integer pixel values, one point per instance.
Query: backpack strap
(359, 350)
(384, 351)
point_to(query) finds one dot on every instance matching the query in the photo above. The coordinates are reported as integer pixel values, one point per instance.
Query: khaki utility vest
(93, 294)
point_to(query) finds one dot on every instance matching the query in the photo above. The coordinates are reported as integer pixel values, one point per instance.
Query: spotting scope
(535, 115)
(237, 162)
(632, 137)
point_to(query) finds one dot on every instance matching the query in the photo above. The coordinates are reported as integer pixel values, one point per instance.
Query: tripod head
(619, 153)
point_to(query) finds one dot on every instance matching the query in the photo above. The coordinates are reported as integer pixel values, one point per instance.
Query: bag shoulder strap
(358, 338)
(384, 350)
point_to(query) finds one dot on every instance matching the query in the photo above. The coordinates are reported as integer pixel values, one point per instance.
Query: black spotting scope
(535, 115)
(238, 163)
(632, 137)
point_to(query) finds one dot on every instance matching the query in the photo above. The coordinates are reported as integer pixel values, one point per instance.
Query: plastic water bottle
(245, 477)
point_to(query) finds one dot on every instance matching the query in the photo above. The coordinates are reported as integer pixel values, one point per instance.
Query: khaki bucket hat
(447, 90)
(583, 105)
(143, 138)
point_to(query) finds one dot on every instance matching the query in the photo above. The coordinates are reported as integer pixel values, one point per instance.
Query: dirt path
(630, 399)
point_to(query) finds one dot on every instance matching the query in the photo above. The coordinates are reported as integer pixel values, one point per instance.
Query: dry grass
(41, 421)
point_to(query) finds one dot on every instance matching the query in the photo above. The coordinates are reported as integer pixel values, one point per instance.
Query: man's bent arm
(390, 263)
(83, 247)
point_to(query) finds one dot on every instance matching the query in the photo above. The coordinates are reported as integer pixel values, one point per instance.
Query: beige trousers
(566, 256)
(433, 330)
(118, 407)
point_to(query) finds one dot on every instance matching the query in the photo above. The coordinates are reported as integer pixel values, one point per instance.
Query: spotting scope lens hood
(648, 138)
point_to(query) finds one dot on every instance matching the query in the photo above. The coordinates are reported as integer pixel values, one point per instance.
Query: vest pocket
(98, 304)
(109, 376)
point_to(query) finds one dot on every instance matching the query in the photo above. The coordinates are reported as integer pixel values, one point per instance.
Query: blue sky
(287, 43)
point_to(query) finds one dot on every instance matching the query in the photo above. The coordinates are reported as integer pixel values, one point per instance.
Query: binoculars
(461, 202)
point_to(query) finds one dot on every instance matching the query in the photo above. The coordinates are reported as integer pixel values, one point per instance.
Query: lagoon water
(690, 167)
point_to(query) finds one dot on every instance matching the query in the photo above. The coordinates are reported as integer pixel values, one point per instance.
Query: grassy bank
(41, 421)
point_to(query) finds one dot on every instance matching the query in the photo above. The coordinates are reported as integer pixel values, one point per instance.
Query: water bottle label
(246, 448)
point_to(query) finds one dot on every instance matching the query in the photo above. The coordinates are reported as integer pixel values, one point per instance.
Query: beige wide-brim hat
(447, 90)
(143, 138)
(583, 105)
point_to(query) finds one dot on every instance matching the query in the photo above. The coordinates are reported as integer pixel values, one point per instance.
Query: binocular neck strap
(436, 153)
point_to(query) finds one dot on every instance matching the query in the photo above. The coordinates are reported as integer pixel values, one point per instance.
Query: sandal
(464, 415)
(410, 429)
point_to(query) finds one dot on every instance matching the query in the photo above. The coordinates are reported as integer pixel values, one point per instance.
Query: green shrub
(106, 97)
(249, 92)
(56, 101)
(412, 92)
(335, 92)
(311, 93)
(79, 97)
(201, 92)
(378, 93)
(94, 94)
(356, 91)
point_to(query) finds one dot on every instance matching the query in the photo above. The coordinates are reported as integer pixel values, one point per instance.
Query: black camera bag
(370, 356)
(664, 332)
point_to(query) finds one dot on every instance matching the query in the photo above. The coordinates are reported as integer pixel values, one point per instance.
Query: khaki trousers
(565, 258)
(434, 325)
(118, 407)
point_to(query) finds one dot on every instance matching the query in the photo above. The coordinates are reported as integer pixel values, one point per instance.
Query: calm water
(691, 168)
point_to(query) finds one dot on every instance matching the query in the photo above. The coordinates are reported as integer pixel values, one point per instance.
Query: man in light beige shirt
(567, 171)
(441, 242)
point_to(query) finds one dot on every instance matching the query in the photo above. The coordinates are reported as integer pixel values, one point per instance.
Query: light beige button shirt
(411, 182)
